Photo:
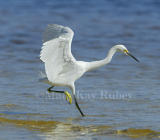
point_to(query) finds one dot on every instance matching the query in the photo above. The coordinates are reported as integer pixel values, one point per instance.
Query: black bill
(132, 56)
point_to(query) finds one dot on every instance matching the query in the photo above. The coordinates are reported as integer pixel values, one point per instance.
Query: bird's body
(62, 69)
(67, 77)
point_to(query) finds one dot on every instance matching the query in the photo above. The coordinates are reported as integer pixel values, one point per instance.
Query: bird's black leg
(78, 106)
(68, 96)
(50, 90)
(76, 103)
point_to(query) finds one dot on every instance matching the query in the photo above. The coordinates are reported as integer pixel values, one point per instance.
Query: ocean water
(121, 100)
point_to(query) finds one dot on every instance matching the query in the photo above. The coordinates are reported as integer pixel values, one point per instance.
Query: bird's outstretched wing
(56, 51)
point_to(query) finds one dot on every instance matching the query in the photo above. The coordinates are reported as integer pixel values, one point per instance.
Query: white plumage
(61, 67)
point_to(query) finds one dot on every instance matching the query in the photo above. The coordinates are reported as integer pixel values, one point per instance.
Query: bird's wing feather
(56, 51)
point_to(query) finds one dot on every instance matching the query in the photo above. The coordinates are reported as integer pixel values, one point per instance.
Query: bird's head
(123, 49)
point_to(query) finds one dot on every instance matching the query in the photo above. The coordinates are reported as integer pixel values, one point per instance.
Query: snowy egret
(62, 69)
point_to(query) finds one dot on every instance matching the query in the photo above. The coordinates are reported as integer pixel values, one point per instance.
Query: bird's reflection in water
(55, 129)
(59, 130)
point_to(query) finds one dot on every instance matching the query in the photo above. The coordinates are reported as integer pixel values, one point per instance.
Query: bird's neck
(96, 64)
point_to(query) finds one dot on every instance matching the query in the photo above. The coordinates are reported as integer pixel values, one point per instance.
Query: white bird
(62, 69)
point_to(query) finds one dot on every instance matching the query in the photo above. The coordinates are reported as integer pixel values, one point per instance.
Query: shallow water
(121, 100)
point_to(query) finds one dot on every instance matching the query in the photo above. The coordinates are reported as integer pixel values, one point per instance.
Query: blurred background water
(121, 99)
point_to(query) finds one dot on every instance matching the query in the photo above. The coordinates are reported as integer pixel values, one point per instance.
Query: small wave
(18, 42)
(50, 126)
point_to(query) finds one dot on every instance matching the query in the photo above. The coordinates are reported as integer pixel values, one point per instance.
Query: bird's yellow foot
(68, 96)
